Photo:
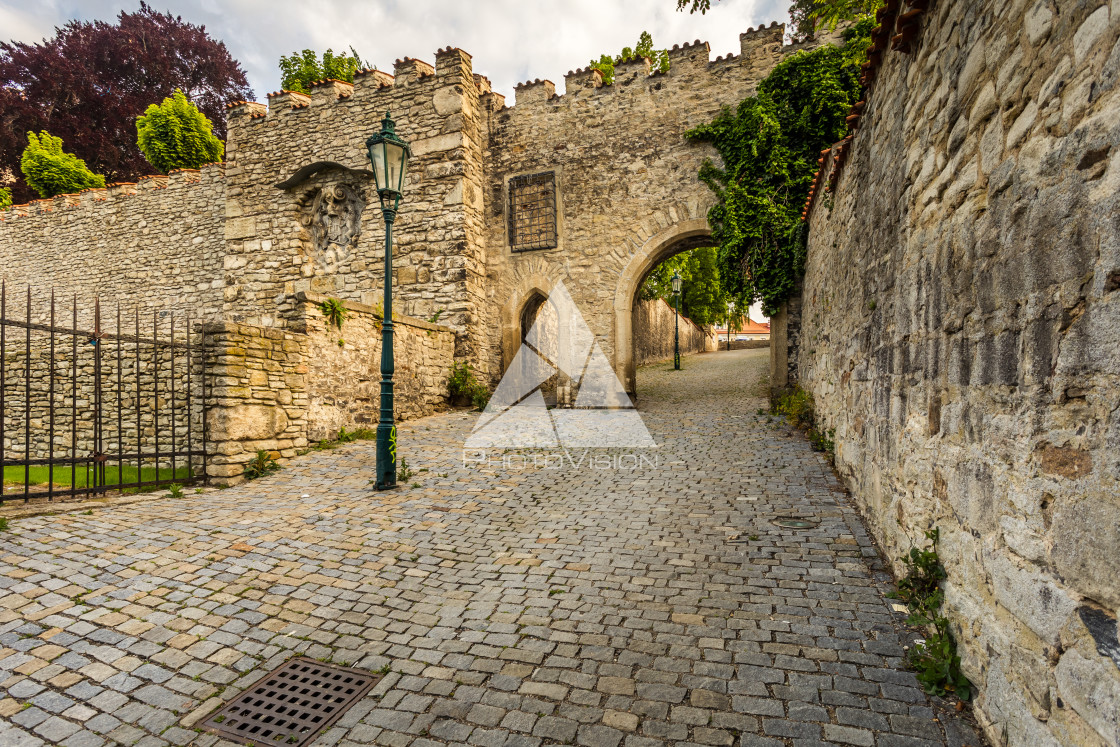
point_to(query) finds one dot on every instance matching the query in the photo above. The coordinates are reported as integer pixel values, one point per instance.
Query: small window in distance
(532, 212)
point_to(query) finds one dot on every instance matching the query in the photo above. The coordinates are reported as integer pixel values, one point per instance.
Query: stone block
(246, 422)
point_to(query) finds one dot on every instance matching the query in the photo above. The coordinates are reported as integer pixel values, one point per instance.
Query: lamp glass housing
(388, 155)
(676, 282)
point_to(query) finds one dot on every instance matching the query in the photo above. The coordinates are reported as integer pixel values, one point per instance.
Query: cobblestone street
(593, 602)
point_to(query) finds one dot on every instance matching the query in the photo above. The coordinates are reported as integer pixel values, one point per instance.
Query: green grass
(39, 475)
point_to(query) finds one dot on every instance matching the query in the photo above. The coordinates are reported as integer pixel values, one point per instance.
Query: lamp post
(677, 320)
(389, 156)
(730, 309)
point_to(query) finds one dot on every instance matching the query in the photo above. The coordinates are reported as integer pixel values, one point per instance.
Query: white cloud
(509, 40)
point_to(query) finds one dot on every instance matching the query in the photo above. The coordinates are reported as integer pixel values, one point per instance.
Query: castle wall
(653, 333)
(344, 368)
(284, 240)
(628, 194)
(156, 244)
(280, 388)
(961, 332)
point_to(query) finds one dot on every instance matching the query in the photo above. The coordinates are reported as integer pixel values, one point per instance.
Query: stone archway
(672, 240)
(526, 300)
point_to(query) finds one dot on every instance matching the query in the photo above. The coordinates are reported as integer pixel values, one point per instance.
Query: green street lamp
(730, 310)
(389, 156)
(677, 320)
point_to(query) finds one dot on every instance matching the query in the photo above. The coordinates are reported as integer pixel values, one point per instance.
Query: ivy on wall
(769, 146)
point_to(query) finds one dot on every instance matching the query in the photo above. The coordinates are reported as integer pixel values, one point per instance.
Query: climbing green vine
(769, 147)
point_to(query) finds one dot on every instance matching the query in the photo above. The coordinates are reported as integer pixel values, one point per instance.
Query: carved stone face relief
(332, 215)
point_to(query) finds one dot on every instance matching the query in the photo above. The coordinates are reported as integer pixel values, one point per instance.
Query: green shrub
(51, 172)
(462, 383)
(480, 396)
(262, 464)
(461, 379)
(176, 135)
(796, 405)
(300, 69)
(5, 198)
(935, 660)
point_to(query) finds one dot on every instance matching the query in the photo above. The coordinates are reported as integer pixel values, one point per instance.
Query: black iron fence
(85, 412)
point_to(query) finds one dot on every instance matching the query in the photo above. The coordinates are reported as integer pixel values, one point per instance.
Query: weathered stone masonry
(960, 329)
(293, 211)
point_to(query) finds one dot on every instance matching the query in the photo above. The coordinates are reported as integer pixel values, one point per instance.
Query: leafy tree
(51, 172)
(5, 198)
(90, 81)
(769, 147)
(703, 6)
(806, 15)
(659, 58)
(176, 135)
(301, 69)
(703, 298)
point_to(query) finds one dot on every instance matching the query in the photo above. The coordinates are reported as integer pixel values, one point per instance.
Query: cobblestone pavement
(595, 604)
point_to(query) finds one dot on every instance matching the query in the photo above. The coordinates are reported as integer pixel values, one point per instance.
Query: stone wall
(281, 388)
(256, 395)
(628, 195)
(296, 209)
(156, 244)
(961, 332)
(344, 367)
(304, 215)
(653, 333)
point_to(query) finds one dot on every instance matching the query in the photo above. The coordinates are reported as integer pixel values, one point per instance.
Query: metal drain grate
(292, 704)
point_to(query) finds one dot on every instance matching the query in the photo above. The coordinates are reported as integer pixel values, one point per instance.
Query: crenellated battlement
(759, 49)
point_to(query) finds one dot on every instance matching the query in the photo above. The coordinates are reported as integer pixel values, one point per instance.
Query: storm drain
(795, 523)
(292, 704)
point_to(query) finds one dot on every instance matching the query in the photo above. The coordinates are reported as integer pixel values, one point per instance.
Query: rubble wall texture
(287, 239)
(653, 333)
(961, 332)
(344, 368)
(626, 181)
(159, 243)
(281, 388)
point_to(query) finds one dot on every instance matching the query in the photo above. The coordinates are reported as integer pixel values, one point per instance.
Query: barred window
(532, 212)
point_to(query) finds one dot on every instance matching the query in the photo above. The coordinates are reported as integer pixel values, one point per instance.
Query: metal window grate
(532, 212)
(292, 704)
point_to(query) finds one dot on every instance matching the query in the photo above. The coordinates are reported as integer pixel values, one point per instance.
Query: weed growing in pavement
(796, 406)
(262, 464)
(822, 440)
(174, 490)
(463, 385)
(935, 659)
(3, 523)
(404, 472)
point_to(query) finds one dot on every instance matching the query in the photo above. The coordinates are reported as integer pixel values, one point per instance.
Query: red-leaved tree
(88, 84)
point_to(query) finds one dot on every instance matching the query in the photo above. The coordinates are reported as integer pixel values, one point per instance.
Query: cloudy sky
(510, 40)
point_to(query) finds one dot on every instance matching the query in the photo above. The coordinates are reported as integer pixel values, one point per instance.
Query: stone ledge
(361, 308)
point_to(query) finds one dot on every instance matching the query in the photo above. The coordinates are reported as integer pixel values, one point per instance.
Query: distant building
(747, 330)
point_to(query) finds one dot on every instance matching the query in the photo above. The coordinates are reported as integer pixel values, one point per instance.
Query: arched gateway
(592, 187)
